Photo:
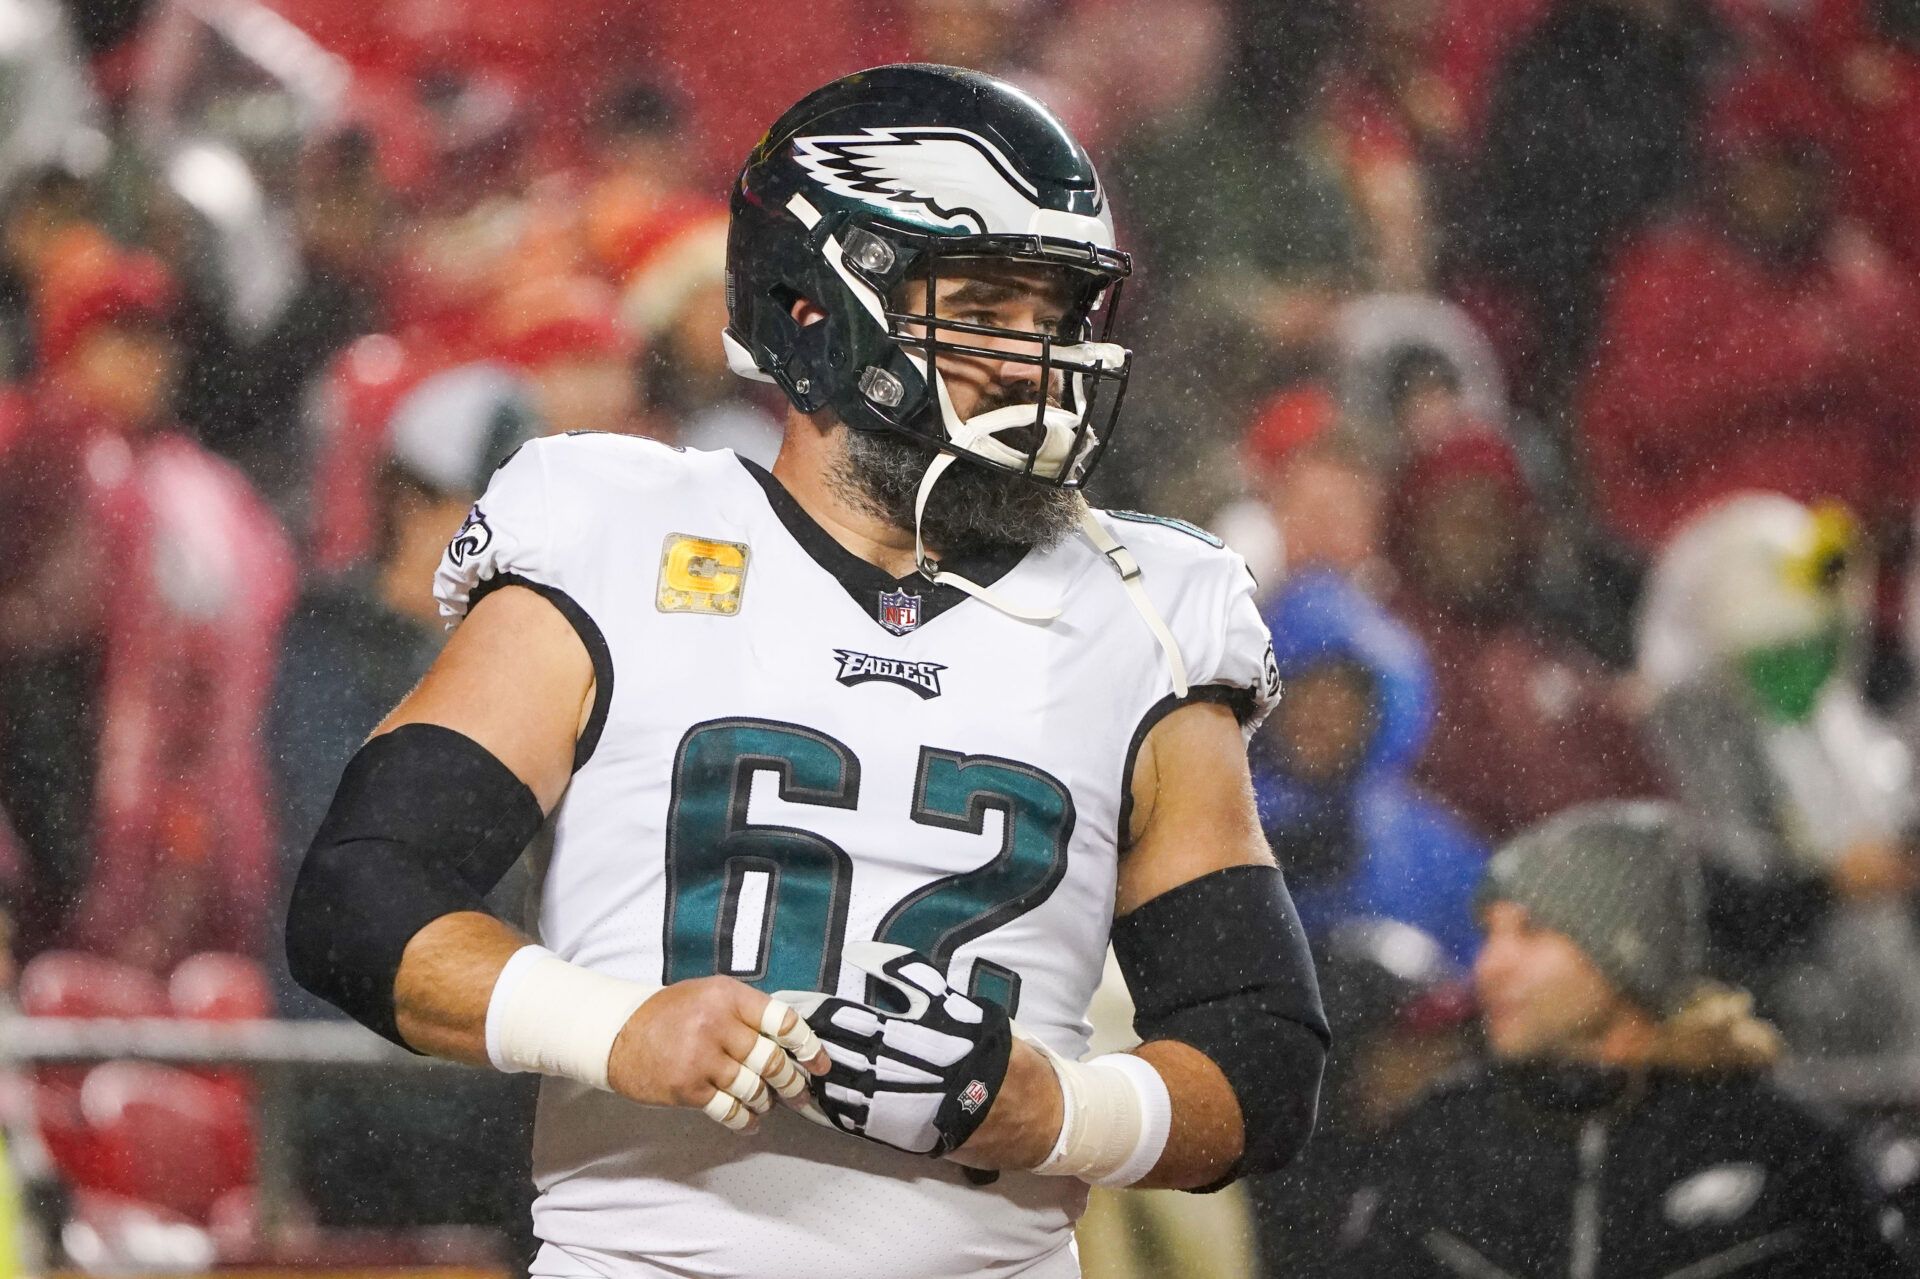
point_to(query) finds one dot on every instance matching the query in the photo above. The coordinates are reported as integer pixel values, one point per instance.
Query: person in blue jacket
(1332, 766)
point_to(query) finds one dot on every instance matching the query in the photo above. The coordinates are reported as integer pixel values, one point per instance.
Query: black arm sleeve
(424, 823)
(1221, 963)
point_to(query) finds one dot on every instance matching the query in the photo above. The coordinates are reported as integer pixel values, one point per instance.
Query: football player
(855, 767)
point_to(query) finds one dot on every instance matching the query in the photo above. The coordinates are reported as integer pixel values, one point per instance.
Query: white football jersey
(791, 750)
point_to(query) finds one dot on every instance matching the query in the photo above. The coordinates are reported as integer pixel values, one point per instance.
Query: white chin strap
(975, 434)
(931, 570)
(1060, 427)
(1134, 580)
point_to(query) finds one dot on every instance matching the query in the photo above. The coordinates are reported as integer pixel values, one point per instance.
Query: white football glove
(921, 1080)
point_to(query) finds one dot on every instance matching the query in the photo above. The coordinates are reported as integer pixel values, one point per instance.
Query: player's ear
(806, 312)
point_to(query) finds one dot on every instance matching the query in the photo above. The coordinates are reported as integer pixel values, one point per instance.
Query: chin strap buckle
(1122, 560)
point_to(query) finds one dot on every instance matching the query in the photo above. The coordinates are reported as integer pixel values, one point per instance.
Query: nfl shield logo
(973, 1096)
(899, 611)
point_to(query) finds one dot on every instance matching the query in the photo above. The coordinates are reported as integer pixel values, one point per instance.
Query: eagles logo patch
(474, 537)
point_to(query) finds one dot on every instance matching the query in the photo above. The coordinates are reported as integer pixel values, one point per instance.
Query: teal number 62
(768, 904)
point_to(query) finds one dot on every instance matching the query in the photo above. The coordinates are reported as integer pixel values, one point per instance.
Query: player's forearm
(1203, 1141)
(446, 980)
(1020, 1129)
(1205, 1138)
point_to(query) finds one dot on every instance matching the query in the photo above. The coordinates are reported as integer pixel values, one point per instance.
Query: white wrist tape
(555, 1018)
(1116, 1116)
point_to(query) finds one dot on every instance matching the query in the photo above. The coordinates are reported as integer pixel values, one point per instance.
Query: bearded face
(972, 508)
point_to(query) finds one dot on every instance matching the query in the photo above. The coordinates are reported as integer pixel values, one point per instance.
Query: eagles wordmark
(922, 678)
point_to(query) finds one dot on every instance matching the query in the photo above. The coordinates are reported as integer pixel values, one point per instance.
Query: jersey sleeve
(507, 535)
(527, 530)
(1235, 653)
(1205, 593)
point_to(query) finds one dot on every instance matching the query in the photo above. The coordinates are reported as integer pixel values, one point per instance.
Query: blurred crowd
(1553, 362)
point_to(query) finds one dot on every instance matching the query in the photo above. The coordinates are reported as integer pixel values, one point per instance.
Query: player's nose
(1026, 378)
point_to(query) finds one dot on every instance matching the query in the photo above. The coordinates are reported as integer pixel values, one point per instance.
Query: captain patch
(701, 575)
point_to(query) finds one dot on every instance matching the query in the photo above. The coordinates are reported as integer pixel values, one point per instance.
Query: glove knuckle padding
(924, 1042)
(923, 976)
(855, 1021)
(963, 1010)
(922, 1079)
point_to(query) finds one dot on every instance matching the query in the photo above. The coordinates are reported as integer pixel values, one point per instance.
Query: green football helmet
(860, 197)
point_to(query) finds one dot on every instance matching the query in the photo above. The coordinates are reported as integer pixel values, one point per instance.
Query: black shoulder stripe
(589, 633)
(510, 456)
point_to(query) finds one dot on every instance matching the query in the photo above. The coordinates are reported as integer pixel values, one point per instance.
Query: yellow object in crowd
(12, 1265)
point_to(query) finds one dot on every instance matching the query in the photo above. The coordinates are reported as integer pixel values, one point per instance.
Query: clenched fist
(718, 1045)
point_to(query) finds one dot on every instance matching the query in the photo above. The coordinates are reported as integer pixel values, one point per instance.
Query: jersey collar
(866, 582)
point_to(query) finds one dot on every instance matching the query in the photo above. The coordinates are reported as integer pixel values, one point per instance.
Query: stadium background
(1449, 313)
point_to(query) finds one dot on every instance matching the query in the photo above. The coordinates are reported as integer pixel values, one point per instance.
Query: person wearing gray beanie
(1595, 948)
(1617, 879)
(1624, 1126)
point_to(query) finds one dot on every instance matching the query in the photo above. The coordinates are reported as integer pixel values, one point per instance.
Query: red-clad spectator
(675, 301)
(1322, 496)
(1587, 132)
(1397, 135)
(1878, 77)
(1868, 56)
(561, 334)
(43, 208)
(355, 399)
(193, 579)
(1757, 341)
(637, 186)
(566, 336)
(1473, 42)
(1525, 724)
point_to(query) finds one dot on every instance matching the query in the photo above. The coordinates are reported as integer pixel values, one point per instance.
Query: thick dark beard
(974, 508)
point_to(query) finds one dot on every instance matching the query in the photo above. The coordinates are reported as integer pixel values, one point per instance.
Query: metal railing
(276, 1053)
(279, 1053)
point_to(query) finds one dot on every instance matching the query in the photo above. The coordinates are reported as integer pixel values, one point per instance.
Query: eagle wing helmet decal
(948, 178)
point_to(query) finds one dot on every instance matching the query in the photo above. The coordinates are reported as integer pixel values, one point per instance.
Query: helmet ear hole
(799, 308)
